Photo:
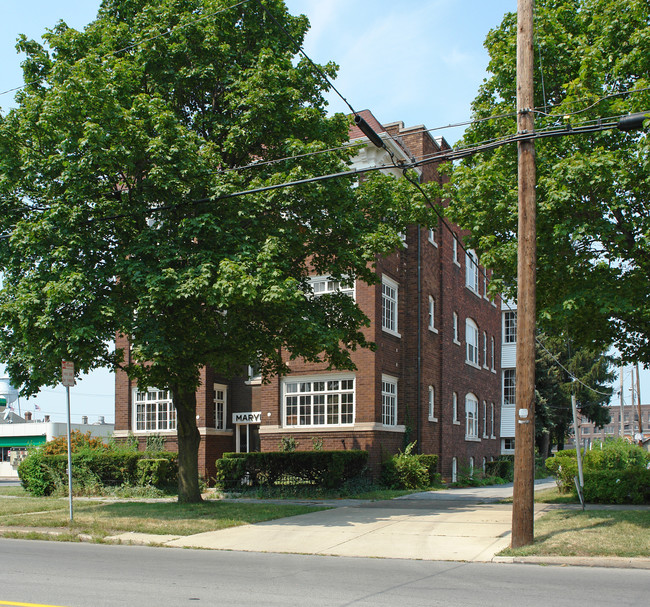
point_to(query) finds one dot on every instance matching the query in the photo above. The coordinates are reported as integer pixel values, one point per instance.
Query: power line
(304, 54)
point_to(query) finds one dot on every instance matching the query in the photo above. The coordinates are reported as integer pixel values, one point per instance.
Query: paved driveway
(460, 525)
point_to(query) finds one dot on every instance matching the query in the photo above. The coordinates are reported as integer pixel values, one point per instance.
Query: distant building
(590, 434)
(18, 434)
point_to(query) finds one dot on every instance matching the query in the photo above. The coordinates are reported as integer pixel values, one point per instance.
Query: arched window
(432, 397)
(471, 417)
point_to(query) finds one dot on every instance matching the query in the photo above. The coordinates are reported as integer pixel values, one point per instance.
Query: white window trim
(432, 237)
(492, 435)
(455, 329)
(454, 408)
(471, 433)
(432, 314)
(492, 368)
(485, 350)
(432, 404)
(504, 333)
(291, 379)
(221, 388)
(470, 324)
(503, 387)
(389, 282)
(351, 291)
(471, 272)
(455, 250)
(172, 421)
(388, 379)
(485, 433)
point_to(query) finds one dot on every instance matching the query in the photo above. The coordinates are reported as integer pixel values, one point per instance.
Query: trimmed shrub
(326, 469)
(629, 486)
(42, 474)
(610, 472)
(157, 472)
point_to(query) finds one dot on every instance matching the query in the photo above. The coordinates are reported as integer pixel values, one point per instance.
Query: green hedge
(327, 469)
(43, 474)
(629, 486)
(503, 467)
(613, 472)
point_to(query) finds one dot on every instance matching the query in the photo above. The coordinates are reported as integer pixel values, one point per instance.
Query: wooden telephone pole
(523, 499)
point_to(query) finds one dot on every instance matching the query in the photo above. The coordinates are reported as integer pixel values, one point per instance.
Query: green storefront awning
(21, 441)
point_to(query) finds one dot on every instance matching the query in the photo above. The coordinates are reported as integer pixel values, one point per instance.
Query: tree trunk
(188, 446)
(545, 444)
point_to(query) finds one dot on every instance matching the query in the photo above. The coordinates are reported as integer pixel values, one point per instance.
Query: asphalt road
(90, 575)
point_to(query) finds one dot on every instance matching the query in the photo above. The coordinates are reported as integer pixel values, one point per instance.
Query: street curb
(615, 562)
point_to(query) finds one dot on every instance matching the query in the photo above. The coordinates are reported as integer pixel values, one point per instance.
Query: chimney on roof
(84, 419)
(101, 419)
(28, 416)
(46, 418)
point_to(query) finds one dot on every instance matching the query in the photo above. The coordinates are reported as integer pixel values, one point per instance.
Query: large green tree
(593, 190)
(114, 168)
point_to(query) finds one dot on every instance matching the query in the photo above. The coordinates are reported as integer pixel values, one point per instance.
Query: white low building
(18, 434)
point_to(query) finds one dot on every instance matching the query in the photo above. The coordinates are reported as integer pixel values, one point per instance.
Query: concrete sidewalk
(457, 524)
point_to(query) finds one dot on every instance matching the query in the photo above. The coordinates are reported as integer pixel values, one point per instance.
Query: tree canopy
(593, 190)
(554, 386)
(114, 171)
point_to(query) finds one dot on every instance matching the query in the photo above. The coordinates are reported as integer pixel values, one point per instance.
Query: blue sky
(418, 61)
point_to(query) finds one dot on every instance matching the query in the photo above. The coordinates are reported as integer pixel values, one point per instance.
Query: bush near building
(95, 467)
(615, 472)
(323, 469)
(407, 470)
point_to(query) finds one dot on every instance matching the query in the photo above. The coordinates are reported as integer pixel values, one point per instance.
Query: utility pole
(523, 490)
(622, 400)
(638, 404)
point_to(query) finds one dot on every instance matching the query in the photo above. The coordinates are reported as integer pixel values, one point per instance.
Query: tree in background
(593, 190)
(554, 386)
(113, 172)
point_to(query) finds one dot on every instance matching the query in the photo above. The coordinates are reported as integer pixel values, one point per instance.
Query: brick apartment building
(435, 376)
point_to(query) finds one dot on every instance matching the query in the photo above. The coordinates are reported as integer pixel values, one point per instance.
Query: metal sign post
(67, 379)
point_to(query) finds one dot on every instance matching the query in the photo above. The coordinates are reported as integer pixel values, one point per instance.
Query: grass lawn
(623, 533)
(103, 518)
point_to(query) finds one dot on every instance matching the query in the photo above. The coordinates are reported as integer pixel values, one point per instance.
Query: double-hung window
(471, 417)
(432, 314)
(389, 307)
(485, 426)
(510, 327)
(509, 385)
(471, 340)
(388, 401)
(432, 398)
(321, 401)
(154, 410)
(471, 271)
(220, 392)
